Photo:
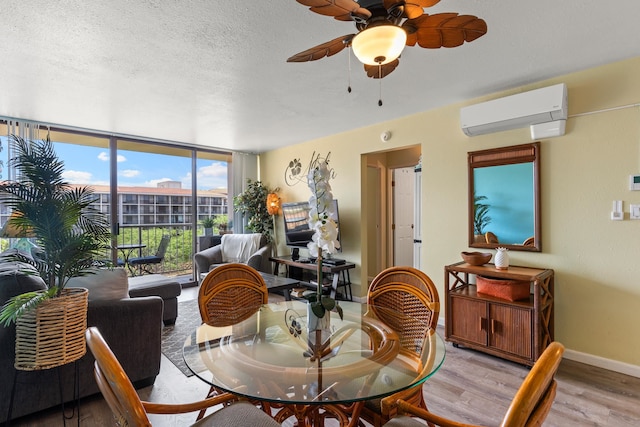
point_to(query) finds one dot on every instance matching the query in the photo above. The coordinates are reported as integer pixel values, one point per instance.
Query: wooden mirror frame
(514, 154)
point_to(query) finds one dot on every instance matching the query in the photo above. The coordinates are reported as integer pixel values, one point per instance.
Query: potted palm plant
(481, 217)
(69, 233)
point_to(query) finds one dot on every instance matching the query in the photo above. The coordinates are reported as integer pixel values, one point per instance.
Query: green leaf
(310, 296)
(328, 303)
(252, 202)
(19, 304)
(317, 309)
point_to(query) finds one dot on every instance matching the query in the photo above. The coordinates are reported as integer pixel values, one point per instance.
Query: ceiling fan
(386, 26)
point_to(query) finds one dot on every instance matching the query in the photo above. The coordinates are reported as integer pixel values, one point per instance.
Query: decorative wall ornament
(294, 174)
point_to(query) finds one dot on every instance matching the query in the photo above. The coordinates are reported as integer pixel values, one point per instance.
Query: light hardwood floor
(470, 387)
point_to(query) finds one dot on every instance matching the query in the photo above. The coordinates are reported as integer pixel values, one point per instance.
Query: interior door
(403, 205)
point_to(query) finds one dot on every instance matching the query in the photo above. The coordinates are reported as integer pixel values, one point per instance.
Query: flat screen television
(296, 223)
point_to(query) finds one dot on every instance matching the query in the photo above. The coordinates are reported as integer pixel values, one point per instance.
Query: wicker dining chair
(529, 407)
(129, 410)
(411, 293)
(491, 237)
(229, 294)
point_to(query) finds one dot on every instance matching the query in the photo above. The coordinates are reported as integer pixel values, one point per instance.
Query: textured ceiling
(213, 73)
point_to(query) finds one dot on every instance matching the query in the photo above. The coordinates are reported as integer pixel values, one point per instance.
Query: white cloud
(213, 170)
(129, 173)
(104, 156)
(77, 177)
(213, 176)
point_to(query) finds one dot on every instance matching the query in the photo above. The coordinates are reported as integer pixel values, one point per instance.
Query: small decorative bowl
(476, 258)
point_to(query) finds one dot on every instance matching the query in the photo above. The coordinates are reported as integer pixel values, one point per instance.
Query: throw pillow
(105, 284)
(17, 278)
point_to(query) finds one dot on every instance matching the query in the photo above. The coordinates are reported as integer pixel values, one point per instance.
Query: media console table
(339, 273)
(515, 330)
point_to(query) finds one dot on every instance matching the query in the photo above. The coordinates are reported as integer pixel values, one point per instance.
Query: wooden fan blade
(327, 49)
(339, 9)
(443, 30)
(412, 8)
(379, 72)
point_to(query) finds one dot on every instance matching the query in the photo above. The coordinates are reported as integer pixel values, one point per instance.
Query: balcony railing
(178, 259)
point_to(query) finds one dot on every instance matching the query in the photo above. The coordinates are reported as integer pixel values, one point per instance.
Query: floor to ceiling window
(155, 200)
(212, 177)
(146, 189)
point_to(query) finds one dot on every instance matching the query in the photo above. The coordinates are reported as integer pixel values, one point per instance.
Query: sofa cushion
(154, 284)
(19, 277)
(104, 284)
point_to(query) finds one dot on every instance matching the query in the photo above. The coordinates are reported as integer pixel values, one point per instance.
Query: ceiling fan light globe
(379, 45)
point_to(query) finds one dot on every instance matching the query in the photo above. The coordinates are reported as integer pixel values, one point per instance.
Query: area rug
(174, 336)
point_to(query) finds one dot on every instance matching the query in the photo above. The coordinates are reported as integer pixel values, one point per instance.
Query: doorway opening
(389, 198)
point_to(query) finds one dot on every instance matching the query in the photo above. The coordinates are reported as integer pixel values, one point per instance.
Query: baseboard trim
(597, 361)
(601, 362)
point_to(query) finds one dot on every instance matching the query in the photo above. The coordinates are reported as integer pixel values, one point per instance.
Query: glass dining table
(272, 358)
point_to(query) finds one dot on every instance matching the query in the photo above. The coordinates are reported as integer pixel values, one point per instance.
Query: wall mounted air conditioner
(543, 105)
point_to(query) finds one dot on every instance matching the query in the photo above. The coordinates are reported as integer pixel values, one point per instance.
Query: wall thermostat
(634, 182)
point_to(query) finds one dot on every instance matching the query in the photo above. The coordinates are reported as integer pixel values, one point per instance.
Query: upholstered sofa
(250, 249)
(131, 326)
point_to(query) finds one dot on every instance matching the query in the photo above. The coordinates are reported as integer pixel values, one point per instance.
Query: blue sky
(90, 165)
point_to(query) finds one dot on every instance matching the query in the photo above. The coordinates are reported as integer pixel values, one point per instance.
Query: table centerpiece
(324, 242)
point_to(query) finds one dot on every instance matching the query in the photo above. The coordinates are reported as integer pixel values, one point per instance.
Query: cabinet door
(468, 320)
(511, 329)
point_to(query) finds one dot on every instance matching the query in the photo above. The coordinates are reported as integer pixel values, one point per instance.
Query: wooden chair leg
(212, 392)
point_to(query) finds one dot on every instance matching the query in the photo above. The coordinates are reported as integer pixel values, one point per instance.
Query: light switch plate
(616, 211)
(634, 211)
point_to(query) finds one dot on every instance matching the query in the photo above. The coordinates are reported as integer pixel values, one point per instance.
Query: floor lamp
(273, 207)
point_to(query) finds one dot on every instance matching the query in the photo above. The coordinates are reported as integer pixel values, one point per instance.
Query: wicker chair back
(231, 293)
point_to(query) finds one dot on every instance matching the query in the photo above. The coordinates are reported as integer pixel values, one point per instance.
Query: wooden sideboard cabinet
(515, 330)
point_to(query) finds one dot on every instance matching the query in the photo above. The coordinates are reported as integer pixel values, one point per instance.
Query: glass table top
(272, 357)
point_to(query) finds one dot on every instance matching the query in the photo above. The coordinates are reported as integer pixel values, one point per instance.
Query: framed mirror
(504, 198)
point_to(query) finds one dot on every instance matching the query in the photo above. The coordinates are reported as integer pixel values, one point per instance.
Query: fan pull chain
(380, 78)
(349, 67)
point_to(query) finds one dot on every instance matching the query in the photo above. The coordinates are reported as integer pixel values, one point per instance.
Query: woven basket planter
(52, 334)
